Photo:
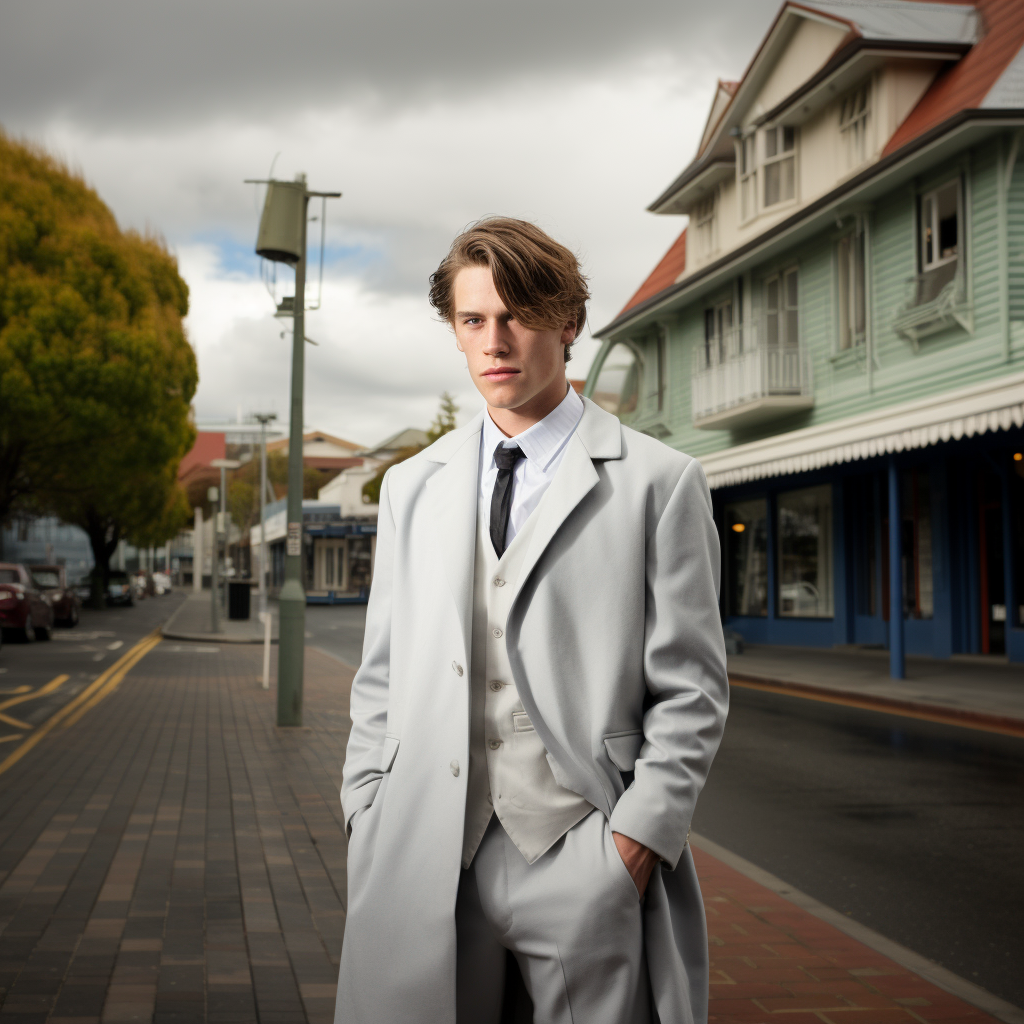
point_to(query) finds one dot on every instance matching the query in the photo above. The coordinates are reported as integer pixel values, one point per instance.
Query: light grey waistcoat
(509, 772)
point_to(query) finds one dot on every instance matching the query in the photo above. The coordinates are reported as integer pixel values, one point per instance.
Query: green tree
(444, 422)
(96, 375)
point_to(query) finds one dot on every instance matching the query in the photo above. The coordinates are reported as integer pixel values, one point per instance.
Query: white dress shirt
(543, 444)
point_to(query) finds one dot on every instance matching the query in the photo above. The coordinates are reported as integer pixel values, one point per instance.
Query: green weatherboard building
(838, 333)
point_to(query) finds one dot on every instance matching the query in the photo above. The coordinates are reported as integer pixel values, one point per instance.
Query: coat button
(499, 582)
(496, 685)
(455, 768)
(497, 633)
(494, 744)
(456, 668)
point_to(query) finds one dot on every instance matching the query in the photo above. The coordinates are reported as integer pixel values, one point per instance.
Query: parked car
(24, 610)
(83, 587)
(52, 581)
(119, 588)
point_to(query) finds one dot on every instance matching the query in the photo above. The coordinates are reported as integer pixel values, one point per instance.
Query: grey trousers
(572, 919)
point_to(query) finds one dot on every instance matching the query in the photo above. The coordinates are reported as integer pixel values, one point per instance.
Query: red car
(53, 582)
(24, 610)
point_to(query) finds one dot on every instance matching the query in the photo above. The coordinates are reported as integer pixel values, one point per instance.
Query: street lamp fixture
(282, 239)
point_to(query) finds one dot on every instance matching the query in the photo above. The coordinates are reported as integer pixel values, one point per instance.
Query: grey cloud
(125, 62)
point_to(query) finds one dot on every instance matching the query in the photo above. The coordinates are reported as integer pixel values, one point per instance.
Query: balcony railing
(738, 380)
(935, 300)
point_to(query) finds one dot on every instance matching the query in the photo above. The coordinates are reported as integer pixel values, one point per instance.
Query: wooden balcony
(738, 381)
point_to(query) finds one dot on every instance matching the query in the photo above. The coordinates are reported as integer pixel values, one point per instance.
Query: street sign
(294, 546)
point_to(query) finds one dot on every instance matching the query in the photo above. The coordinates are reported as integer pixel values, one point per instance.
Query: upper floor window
(779, 165)
(748, 177)
(853, 126)
(781, 308)
(704, 233)
(657, 369)
(940, 226)
(718, 339)
(850, 291)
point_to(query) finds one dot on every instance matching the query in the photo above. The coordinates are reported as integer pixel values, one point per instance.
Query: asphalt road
(337, 629)
(911, 828)
(31, 688)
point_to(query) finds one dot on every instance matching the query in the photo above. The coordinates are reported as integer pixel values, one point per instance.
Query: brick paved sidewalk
(175, 857)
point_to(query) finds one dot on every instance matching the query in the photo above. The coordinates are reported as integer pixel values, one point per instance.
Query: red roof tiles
(672, 264)
(966, 83)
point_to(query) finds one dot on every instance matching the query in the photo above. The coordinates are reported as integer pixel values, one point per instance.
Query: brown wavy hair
(538, 279)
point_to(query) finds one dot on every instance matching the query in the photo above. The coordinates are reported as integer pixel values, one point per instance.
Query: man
(542, 691)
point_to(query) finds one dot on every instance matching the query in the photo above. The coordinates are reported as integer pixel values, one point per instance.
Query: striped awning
(995, 405)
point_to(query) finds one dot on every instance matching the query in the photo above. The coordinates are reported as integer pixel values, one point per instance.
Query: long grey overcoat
(616, 646)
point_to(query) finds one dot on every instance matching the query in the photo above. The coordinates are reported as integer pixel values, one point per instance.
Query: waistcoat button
(496, 685)
(499, 582)
(497, 633)
(494, 744)
(455, 768)
(457, 668)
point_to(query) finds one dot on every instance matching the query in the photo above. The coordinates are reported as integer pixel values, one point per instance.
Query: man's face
(512, 366)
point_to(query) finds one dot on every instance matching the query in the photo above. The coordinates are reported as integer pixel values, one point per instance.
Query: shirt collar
(543, 441)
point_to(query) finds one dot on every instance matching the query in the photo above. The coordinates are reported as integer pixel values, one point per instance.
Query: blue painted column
(1010, 584)
(897, 662)
(772, 558)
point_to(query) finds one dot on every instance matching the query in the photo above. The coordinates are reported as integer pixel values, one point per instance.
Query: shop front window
(618, 384)
(805, 553)
(746, 557)
(360, 564)
(918, 593)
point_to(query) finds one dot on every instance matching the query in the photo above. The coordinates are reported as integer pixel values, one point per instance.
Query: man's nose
(496, 341)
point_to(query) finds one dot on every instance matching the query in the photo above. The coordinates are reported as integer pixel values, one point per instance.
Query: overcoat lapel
(452, 492)
(598, 436)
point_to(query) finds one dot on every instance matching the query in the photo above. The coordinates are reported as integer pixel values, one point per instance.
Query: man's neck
(512, 422)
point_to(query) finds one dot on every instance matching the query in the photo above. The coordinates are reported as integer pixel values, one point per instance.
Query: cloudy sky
(426, 115)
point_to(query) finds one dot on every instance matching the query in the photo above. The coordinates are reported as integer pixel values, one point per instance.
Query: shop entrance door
(330, 564)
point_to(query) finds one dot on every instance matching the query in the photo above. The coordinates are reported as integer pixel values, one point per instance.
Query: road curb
(1007, 725)
(939, 976)
(168, 632)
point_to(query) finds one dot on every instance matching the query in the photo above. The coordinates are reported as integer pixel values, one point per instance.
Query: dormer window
(853, 126)
(779, 165)
(940, 226)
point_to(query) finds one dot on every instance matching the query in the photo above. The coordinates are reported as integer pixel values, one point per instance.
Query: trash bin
(239, 592)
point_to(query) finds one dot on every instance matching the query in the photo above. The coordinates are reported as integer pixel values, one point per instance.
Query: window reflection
(618, 384)
(805, 553)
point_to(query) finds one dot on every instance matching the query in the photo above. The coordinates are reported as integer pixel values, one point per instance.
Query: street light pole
(291, 647)
(218, 520)
(282, 239)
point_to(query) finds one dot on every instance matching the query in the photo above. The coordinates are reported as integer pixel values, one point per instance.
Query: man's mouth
(500, 373)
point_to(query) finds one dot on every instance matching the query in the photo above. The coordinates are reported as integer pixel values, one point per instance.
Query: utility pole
(282, 238)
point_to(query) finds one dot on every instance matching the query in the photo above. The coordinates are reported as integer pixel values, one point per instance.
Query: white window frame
(720, 317)
(848, 338)
(782, 277)
(747, 177)
(704, 217)
(854, 121)
(931, 196)
(781, 156)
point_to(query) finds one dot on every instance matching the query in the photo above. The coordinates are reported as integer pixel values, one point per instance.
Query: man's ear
(569, 332)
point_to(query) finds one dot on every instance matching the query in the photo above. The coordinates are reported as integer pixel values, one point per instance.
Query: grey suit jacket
(615, 642)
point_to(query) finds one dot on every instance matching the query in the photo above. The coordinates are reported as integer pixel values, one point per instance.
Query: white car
(162, 582)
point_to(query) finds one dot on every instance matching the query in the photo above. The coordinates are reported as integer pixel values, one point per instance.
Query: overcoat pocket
(624, 748)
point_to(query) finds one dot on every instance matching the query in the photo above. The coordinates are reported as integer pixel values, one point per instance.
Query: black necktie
(501, 500)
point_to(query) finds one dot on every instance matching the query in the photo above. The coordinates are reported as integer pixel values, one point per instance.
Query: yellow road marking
(100, 687)
(13, 736)
(54, 684)
(17, 689)
(14, 721)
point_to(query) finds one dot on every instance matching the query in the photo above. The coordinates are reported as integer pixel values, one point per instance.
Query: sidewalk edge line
(915, 962)
(34, 738)
(963, 718)
(177, 611)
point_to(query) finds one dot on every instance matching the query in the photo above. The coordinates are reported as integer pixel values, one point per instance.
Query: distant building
(838, 332)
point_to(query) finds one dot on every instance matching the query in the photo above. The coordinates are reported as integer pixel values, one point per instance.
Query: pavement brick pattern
(773, 961)
(175, 857)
